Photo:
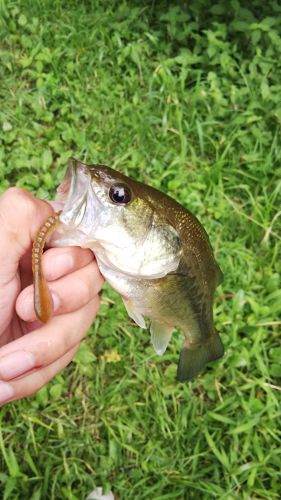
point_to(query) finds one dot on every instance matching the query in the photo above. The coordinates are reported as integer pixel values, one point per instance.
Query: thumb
(21, 214)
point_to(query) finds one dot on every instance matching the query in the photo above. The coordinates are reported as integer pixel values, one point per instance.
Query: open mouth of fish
(80, 207)
(72, 193)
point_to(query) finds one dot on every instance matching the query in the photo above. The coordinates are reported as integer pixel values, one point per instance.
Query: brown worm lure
(43, 303)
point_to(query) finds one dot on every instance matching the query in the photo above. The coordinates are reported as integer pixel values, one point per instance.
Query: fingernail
(56, 301)
(15, 364)
(6, 392)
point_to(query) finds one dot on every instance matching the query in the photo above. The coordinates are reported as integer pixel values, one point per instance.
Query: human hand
(32, 353)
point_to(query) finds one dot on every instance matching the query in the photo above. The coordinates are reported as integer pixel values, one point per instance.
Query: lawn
(185, 96)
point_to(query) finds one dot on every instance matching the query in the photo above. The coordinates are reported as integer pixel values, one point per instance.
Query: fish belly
(168, 302)
(164, 300)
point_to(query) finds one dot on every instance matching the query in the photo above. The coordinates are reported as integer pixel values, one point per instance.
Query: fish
(150, 249)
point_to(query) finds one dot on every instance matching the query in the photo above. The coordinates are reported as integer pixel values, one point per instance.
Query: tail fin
(193, 361)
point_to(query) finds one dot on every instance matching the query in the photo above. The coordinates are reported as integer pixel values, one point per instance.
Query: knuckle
(96, 278)
(19, 200)
(32, 386)
(84, 292)
(97, 301)
(15, 194)
(24, 392)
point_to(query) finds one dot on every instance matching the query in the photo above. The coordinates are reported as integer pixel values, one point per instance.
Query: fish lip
(72, 192)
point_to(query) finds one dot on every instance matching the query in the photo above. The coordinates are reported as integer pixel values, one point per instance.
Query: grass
(186, 97)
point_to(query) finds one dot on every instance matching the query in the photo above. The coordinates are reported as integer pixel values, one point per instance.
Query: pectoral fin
(160, 336)
(219, 275)
(193, 358)
(134, 313)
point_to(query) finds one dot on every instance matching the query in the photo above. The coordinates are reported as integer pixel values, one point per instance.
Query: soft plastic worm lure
(43, 303)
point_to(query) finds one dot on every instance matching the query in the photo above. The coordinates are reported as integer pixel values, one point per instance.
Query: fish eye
(120, 194)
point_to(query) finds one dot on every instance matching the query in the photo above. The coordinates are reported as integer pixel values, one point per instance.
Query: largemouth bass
(152, 251)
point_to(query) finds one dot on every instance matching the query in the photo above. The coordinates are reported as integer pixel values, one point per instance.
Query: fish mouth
(72, 193)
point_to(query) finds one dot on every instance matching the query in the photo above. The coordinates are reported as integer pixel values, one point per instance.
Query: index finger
(21, 214)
